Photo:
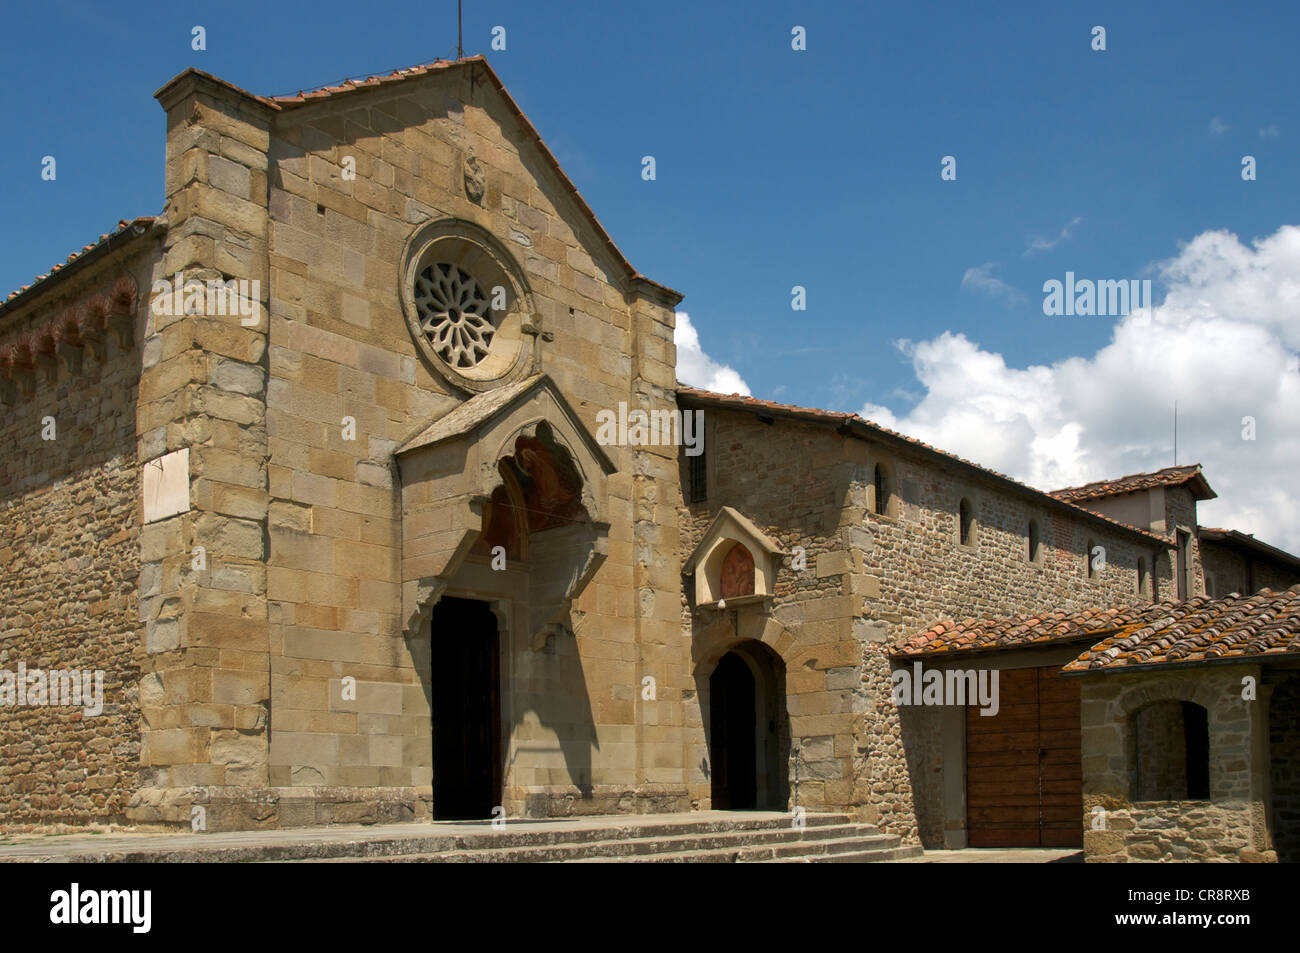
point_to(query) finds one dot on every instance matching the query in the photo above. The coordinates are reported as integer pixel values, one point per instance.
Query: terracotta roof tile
(867, 427)
(124, 224)
(1264, 625)
(972, 635)
(1169, 476)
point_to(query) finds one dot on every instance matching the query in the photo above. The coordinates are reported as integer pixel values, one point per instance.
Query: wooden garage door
(1024, 778)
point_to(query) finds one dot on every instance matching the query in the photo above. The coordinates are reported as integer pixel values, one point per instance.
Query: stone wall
(204, 682)
(1233, 570)
(1230, 825)
(293, 425)
(871, 578)
(69, 563)
(1284, 768)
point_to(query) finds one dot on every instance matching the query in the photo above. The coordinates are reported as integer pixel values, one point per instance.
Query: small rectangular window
(699, 478)
(1184, 564)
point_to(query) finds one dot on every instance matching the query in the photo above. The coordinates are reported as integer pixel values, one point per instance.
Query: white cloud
(1047, 244)
(1223, 343)
(697, 369)
(1269, 131)
(1218, 126)
(981, 279)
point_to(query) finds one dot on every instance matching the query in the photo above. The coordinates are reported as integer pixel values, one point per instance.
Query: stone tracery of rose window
(455, 314)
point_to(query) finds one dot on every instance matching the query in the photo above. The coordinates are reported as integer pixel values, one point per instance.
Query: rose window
(454, 314)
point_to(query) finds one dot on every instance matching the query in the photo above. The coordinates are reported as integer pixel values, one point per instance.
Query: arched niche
(734, 556)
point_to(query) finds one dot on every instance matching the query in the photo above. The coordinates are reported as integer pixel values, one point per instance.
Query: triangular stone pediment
(730, 528)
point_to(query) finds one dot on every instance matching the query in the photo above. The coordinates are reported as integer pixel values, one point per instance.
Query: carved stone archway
(517, 465)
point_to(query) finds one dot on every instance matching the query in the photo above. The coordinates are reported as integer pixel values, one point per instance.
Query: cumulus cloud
(697, 369)
(982, 279)
(1225, 344)
(1218, 126)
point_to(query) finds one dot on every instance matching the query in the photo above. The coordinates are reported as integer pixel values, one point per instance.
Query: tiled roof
(1169, 476)
(973, 635)
(122, 226)
(367, 82)
(855, 423)
(1263, 626)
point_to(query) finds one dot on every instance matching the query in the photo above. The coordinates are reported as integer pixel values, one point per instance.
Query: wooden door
(1024, 780)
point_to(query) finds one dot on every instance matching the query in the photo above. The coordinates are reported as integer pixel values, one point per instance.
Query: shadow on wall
(1284, 769)
(553, 687)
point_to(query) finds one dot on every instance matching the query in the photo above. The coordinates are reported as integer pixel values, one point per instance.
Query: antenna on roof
(460, 50)
(1175, 433)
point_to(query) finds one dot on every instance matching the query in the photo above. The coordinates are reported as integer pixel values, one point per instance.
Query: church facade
(314, 470)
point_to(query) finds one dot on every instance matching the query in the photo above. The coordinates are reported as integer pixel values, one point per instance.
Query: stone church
(310, 470)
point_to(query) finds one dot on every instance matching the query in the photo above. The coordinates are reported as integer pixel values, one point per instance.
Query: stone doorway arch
(747, 729)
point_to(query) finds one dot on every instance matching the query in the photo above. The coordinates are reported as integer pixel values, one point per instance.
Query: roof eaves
(126, 232)
(1232, 537)
(1165, 665)
(853, 423)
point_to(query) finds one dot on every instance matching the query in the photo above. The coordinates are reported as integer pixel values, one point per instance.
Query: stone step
(868, 845)
(851, 857)
(396, 841)
(791, 839)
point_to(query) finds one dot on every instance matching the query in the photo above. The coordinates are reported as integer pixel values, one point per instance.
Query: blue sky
(775, 168)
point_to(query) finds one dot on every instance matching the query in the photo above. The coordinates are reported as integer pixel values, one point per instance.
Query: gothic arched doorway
(748, 730)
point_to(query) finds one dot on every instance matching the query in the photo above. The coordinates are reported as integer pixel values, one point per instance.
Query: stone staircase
(696, 837)
(737, 838)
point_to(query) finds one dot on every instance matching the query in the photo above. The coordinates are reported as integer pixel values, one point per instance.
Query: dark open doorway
(466, 710)
(748, 732)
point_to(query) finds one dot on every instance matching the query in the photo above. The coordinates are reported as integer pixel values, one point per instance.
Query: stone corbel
(95, 342)
(70, 354)
(25, 378)
(121, 310)
(421, 593)
(47, 367)
(418, 599)
(124, 326)
(595, 559)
